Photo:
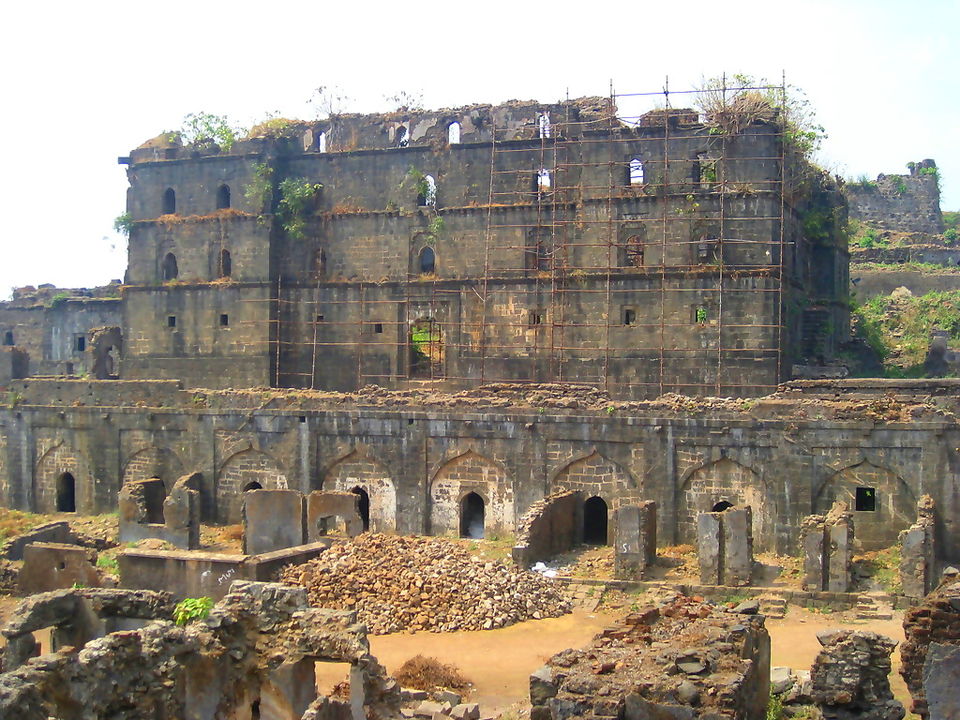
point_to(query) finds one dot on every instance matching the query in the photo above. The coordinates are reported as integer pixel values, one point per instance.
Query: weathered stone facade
(542, 242)
(511, 458)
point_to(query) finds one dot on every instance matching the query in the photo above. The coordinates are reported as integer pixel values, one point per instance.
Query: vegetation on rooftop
(898, 327)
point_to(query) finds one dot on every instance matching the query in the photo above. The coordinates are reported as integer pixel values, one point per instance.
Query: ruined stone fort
(457, 313)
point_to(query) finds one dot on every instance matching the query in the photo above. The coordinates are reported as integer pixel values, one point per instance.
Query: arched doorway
(721, 506)
(364, 506)
(595, 521)
(66, 493)
(252, 486)
(471, 516)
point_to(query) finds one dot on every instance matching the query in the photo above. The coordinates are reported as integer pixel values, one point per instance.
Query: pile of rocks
(932, 632)
(400, 583)
(683, 659)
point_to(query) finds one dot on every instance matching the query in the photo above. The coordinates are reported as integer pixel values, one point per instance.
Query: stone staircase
(773, 606)
(874, 606)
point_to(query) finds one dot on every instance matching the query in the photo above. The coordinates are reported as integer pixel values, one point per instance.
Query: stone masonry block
(273, 520)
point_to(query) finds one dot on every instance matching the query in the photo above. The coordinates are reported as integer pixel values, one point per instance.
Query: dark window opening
(595, 521)
(223, 197)
(401, 136)
(364, 506)
(66, 493)
(252, 486)
(536, 317)
(255, 710)
(865, 499)
(169, 202)
(81, 343)
(428, 260)
(378, 328)
(721, 506)
(629, 316)
(319, 318)
(224, 320)
(472, 516)
(8, 337)
(170, 269)
(171, 321)
(226, 263)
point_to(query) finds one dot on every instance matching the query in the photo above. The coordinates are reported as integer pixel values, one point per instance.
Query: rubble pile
(400, 583)
(685, 658)
(849, 678)
(932, 627)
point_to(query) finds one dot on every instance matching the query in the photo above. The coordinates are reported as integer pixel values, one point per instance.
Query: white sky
(84, 83)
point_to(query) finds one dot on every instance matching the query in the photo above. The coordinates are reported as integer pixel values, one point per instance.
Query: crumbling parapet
(52, 566)
(683, 660)
(148, 511)
(77, 616)
(827, 545)
(549, 527)
(635, 540)
(326, 509)
(918, 553)
(849, 678)
(259, 641)
(929, 652)
(725, 546)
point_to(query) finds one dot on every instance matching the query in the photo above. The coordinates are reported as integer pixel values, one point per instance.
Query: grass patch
(898, 327)
(883, 567)
(15, 522)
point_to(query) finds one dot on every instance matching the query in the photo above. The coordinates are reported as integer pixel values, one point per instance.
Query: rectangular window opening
(224, 320)
(865, 499)
(319, 318)
(378, 328)
(81, 343)
(171, 321)
(536, 317)
(629, 316)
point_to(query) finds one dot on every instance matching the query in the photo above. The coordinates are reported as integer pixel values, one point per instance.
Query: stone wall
(517, 455)
(909, 203)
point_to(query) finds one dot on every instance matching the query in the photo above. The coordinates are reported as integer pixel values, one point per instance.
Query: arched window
(543, 180)
(226, 264)
(320, 143)
(472, 516)
(223, 197)
(170, 270)
(428, 194)
(543, 123)
(8, 337)
(636, 171)
(254, 485)
(453, 133)
(66, 493)
(401, 136)
(169, 202)
(428, 260)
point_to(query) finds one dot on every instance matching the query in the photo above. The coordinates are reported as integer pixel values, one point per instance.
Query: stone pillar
(839, 526)
(813, 542)
(710, 548)
(725, 546)
(737, 524)
(918, 551)
(635, 540)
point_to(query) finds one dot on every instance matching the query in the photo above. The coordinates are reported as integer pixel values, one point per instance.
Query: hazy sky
(87, 82)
